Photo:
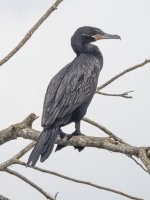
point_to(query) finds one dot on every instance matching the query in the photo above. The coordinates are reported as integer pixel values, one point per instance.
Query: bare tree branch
(30, 32)
(117, 145)
(10, 132)
(121, 74)
(24, 130)
(148, 153)
(15, 158)
(29, 182)
(113, 136)
(3, 198)
(137, 163)
(104, 129)
(83, 141)
(124, 95)
(82, 182)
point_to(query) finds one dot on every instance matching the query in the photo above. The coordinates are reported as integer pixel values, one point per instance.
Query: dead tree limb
(81, 181)
(24, 129)
(108, 143)
(12, 172)
(122, 73)
(124, 95)
(30, 32)
(112, 143)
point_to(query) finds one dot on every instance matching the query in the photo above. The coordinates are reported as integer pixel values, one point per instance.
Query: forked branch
(12, 172)
(124, 95)
(121, 74)
(24, 129)
(82, 182)
(112, 143)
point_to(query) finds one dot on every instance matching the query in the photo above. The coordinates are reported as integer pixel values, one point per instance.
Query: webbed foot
(76, 133)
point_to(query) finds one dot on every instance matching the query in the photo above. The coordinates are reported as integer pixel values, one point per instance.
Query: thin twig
(30, 32)
(29, 182)
(104, 129)
(56, 195)
(82, 182)
(121, 74)
(124, 95)
(137, 163)
(14, 159)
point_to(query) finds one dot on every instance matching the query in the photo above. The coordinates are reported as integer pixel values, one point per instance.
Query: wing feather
(71, 87)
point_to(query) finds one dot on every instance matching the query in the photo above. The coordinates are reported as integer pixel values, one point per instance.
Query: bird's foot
(59, 147)
(79, 148)
(76, 133)
(62, 135)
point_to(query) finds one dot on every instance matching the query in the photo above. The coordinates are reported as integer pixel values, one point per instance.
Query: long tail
(44, 146)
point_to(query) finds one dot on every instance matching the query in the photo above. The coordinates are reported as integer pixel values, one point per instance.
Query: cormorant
(70, 91)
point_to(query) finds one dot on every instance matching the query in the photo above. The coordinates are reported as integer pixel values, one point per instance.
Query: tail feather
(43, 147)
(48, 146)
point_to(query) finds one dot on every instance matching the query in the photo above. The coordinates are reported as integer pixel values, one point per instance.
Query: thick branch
(31, 31)
(100, 143)
(21, 130)
(145, 160)
(29, 182)
(12, 132)
(15, 160)
(113, 143)
(121, 74)
(82, 141)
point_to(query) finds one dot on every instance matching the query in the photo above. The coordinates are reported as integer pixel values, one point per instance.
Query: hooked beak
(106, 36)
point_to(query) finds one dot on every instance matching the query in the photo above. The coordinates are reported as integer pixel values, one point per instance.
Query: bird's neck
(80, 48)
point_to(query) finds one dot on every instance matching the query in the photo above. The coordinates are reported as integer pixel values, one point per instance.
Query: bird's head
(87, 34)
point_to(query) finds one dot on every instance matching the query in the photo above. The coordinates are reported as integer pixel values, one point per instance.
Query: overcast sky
(24, 79)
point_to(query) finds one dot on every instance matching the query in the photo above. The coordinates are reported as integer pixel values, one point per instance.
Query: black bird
(70, 91)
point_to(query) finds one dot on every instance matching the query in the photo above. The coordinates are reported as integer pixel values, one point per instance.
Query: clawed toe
(62, 134)
(79, 148)
(59, 147)
(75, 133)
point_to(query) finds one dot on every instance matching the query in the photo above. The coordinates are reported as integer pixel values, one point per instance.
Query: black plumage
(70, 91)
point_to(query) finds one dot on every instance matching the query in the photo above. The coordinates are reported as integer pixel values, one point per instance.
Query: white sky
(24, 79)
